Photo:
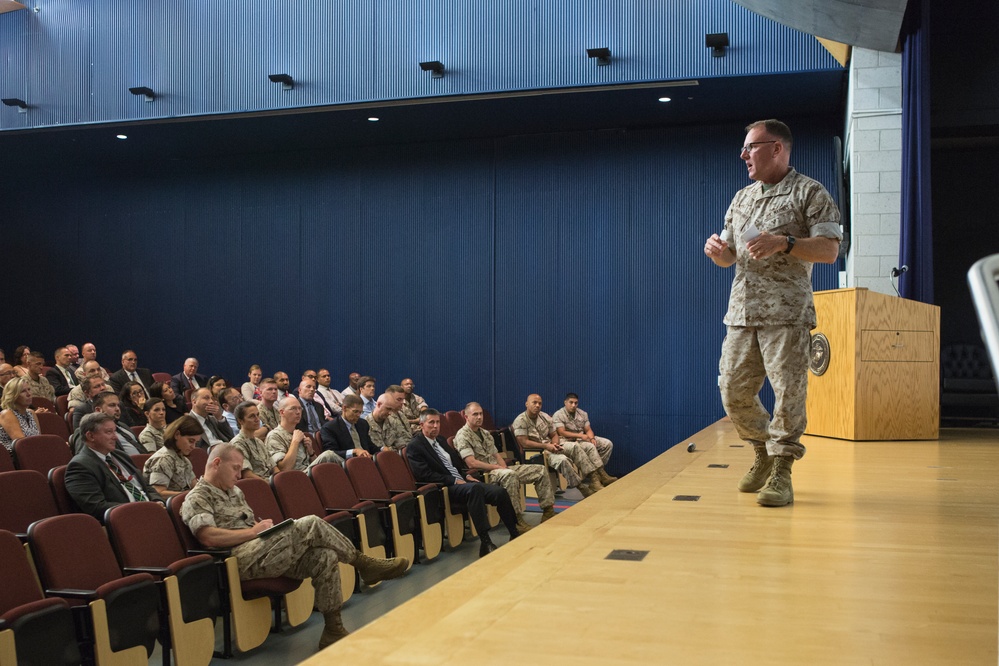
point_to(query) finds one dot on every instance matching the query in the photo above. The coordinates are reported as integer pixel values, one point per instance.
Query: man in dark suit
(101, 476)
(312, 412)
(209, 415)
(347, 435)
(433, 461)
(108, 403)
(130, 373)
(188, 379)
(60, 375)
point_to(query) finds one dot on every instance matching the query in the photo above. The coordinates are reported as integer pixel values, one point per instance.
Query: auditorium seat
(145, 542)
(38, 402)
(57, 483)
(33, 629)
(25, 497)
(137, 430)
(368, 485)
(50, 423)
(62, 404)
(75, 561)
(162, 377)
(41, 453)
(429, 498)
(250, 602)
(199, 459)
(337, 494)
(6, 462)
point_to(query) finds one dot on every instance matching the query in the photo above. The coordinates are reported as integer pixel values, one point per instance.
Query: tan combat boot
(778, 491)
(334, 629)
(758, 474)
(376, 570)
(547, 513)
(584, 488)
(594, 480)
(606, 478)
(522, 525)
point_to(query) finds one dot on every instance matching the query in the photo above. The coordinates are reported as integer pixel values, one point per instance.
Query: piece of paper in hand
(750, 233)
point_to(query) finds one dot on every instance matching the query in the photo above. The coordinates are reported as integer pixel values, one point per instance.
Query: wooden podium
(883, 376)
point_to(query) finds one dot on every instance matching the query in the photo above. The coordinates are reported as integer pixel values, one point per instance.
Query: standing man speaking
(775, 229)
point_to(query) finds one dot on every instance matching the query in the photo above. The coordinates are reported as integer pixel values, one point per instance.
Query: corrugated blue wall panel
(14, 75)
(484, 270)
(214, 57)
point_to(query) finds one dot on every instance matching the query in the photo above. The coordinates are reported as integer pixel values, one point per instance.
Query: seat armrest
(73, 594)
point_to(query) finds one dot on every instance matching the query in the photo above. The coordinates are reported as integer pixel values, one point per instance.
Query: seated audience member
(78, 394)
(216, 383)
(352, 384)
(151, 436)
(61, 376)
(331, 399)
(228, 398)
(90, 388)
(20, 360)
(207, 412)
(251, 389)
(6, 374)
(130, 372)
(108, 403)
(366, 389)
(413, 405)
(388, 429)
(133, 399)
(169, 470)
(573, 425)
(347, 435)
(175, 407)
(288, 446)
(578, 462)
(476, 447)
(312, 419)
(74, 357)
(188, 378)
(17, 419)
(90, 354)
(269, 417)
(282, 383)
(40, 386)
(433, 461)
(257, 460)
(217, 514)
(101, 476)
(3, 356)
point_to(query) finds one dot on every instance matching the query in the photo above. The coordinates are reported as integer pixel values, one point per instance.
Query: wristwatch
(790, 245)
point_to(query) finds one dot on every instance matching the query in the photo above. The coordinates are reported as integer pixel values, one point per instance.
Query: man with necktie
(348, 434)
(130, 372)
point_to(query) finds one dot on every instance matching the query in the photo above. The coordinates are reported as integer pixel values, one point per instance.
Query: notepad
(276, 528)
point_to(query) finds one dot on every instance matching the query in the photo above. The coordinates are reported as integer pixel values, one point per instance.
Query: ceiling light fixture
(602, 54)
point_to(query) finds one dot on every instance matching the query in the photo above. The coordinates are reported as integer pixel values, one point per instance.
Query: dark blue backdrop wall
(484, 269)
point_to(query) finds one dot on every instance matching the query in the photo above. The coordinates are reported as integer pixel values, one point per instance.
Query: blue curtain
(916, 244)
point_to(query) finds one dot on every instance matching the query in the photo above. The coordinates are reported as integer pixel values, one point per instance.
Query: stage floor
(887, 556)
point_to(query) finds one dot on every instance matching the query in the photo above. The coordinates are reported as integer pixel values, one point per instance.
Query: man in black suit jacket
(312, 412)
(61, 375)
(338, 435)
(433, 461)
(90, 479)
(209, 415)
(129, 372)
(188, 379)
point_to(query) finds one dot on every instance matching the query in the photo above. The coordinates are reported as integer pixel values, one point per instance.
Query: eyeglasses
(750, 147)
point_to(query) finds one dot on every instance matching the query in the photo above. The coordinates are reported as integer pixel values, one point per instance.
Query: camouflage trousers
(780, 354)
(604, 448)
(311, 548)
(577, 461)
(512, 478)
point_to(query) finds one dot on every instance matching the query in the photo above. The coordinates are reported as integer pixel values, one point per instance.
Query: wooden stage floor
(887, 556)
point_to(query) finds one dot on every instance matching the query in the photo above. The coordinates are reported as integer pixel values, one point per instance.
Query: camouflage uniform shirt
(394, 433)
(168, 468)
(256, 456)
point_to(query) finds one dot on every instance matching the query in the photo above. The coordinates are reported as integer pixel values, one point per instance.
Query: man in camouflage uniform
(289, 446)
(578, 462)
(389, 430)
(217, 514)
(257, 460)
(413, 405)
(269, 417)
(573, 425)
(477, 449)
(775, 229)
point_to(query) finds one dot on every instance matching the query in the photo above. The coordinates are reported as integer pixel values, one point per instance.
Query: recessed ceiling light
(665, 99)
(122, 136)
(373, 119)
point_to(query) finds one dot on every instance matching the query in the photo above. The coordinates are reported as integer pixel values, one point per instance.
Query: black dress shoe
(486, 547)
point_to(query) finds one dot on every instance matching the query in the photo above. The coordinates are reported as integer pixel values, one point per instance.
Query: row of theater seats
(374, 502)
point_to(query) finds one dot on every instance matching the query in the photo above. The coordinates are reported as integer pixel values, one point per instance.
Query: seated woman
(151, 436)
(16, 419)
(217, 383)
(256, 459)
(251, 389)
(132, 397)
(175, 407)
(20, 360)
(169, 471)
